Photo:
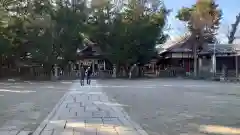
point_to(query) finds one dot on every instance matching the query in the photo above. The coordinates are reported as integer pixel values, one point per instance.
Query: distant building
(92, 55)
(211, 58)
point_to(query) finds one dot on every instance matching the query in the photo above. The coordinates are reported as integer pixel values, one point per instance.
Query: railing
(41, 75)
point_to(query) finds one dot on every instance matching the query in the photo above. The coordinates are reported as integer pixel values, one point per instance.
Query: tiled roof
(174, 45)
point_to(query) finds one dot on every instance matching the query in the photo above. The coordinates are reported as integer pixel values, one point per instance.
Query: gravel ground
(174, 106)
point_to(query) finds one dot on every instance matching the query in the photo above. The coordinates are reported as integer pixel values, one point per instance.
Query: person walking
(82, 75)
(88, 75)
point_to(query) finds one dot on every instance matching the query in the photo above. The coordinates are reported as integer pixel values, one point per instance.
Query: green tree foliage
(203, 20)
(50, 33)
(45, 32)
(5, 42)
(129, 36)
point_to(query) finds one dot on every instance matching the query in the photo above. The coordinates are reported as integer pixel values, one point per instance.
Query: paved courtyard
(87, 111)
(24, 105)
(120, 107)
(174, 107)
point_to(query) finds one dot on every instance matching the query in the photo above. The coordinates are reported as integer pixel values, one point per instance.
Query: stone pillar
(153, 67)
(214, 64)
(71, 67)
(200, 64)
(93, 66)
(55, 71)
(114, 75)
(79, 65)
(104, 65)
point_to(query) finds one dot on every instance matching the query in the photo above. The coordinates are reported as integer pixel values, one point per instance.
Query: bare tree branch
(231, 36)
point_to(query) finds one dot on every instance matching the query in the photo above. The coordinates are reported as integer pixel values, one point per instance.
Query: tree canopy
(50, 33)
(202, 18)
(129, 36)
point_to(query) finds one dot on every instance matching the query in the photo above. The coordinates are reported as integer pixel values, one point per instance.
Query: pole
(214, 59)
(93, 66)
(236, 65)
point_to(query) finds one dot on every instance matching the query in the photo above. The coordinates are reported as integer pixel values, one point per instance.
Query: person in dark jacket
(88, 75)
(82, 75)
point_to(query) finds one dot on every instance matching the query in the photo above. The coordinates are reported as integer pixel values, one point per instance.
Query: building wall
(228, 61)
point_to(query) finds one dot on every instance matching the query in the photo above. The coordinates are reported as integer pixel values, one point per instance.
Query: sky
(230, 9)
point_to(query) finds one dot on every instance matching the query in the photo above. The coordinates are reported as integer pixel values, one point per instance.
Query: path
(87, 110)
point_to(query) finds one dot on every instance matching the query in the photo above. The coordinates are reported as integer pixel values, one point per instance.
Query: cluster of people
(85, 74)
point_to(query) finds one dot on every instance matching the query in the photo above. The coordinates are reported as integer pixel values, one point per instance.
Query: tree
(43, 31)
(68, 24)
(51, 35)
(30, 32)
(4, 44)
(5, 40)
(122, 35)
(202, 19)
